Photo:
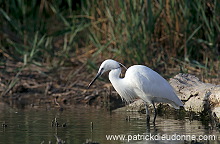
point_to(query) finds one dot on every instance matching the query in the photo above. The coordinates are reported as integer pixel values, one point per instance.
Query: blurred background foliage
(168, 36)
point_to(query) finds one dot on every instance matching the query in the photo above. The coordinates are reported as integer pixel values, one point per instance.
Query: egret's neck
(120, 85)
(114, 76)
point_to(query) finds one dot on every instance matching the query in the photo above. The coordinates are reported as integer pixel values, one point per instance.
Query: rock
(137, 105)
(197, 96)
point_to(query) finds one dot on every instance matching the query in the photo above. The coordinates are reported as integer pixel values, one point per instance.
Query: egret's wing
(150, 86)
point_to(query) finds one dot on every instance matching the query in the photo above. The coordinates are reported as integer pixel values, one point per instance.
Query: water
(81, 124)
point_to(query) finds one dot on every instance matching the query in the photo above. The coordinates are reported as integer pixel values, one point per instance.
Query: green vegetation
(163, 34)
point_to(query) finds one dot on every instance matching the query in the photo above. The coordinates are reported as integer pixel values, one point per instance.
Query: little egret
(139, 81)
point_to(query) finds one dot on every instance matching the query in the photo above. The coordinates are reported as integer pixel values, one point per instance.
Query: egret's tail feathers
(177, 103)
(177, 106)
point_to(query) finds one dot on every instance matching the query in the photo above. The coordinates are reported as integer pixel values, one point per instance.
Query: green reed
(156, 32)
(162, 33)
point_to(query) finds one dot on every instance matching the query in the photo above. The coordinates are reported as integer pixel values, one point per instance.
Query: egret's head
(107, 65)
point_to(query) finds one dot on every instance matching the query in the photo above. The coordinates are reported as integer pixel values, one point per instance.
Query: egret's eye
(101, 70)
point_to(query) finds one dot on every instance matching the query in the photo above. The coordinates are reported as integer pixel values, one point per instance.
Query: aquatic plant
(165, 35)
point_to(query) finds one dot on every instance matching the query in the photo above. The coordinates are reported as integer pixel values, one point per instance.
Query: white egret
(139, 81)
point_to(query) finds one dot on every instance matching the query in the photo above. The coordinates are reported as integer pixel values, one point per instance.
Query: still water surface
(81, 124)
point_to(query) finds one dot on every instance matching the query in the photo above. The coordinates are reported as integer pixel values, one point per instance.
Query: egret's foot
(148, 119)
(155, 113)
(154, 121)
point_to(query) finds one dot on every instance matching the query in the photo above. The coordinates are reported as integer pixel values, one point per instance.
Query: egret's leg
(147, 113)
(155, 113)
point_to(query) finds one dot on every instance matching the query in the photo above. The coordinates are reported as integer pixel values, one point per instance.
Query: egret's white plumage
(139, 81)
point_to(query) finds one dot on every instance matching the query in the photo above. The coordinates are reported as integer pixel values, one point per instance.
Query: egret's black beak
(98, 74)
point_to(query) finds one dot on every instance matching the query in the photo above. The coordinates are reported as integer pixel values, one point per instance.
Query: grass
(161, 34)
(157, 33)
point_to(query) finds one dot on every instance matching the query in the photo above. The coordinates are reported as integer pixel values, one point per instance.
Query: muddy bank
(35, 87)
